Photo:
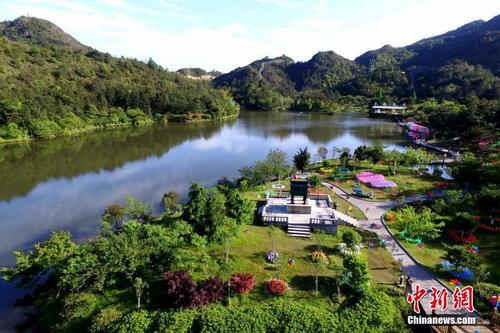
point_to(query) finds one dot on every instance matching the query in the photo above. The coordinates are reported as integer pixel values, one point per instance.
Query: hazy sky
(226, 34)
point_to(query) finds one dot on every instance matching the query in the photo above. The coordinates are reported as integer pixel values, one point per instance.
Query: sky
(225, 34)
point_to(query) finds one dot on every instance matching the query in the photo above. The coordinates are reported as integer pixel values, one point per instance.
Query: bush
(356, 274)
(483, 292)
(78, 310)
(181, 291)
(315, 181)
(277, 286)
(374, 312)
(106, 319)
(242, 283)
(176, 321)
(351, 237)
(135, 322)
(211, 290)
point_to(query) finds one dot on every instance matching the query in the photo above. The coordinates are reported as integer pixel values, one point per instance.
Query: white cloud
(233, 44)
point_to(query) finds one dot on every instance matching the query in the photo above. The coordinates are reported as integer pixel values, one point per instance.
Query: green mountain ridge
(453, 65)
(51, 85)
(40, 32)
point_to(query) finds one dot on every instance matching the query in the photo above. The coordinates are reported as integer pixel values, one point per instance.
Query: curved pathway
(374, 211)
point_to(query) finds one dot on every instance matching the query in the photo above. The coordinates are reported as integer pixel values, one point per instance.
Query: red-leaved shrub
(277, 286)
(242, 283)
(210, 291)
(181, 291)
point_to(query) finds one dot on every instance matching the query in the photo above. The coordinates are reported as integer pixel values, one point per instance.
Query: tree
(351, 237)
(139, 286)
(322, 152)
(136, 210)
(238, 207)
(356, 274)
(114, 215)
(170, 202)
(215, 213)
(301, 159)
(419, 224)
(344, 156)
(393, 157)
(416, 156)
(461, 258)
(375, 152)
(315, 181)
(195, 209)
(226, 230)
(49, 256)
(335, 150)
(277, 159)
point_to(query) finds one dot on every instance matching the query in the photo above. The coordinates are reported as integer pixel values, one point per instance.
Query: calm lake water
(65, 184)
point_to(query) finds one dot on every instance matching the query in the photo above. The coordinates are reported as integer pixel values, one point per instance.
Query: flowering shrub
(346, 251)
(272, 257)
(390, 216)
(317, 256)
(315, 191)
(277, 286)
(242, 283)
(374, 180)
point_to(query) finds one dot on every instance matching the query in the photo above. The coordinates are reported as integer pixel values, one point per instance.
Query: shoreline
(90, 129)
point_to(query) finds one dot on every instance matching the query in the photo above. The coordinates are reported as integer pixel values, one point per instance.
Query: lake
(65, 183)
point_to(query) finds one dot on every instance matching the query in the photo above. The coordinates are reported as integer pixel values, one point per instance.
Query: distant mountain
(477, 43)
(199, 73)
(39, 31)
(454, 65)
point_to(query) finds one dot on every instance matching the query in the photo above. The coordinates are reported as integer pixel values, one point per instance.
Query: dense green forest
(460, 67)
(49, 89)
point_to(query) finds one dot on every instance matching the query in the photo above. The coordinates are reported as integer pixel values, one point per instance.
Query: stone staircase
(344, 219)
(299, 230)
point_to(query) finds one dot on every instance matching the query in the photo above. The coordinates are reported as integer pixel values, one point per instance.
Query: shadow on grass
(326, 285)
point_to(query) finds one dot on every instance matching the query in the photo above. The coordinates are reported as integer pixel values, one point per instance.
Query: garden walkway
(374, 211)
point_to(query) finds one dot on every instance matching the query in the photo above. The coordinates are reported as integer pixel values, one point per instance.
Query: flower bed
(318, 256)
(277, 286)
(374, 180)
(489, 227)
(462, 236)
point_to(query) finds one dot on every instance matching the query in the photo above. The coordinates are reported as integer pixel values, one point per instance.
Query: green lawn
(249, 250)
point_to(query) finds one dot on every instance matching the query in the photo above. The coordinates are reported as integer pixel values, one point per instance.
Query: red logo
(415, 297)
(439, 299)
(463, 298)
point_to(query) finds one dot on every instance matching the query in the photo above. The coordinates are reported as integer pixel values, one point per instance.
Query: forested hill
(51, 85)
(40, 32)
(477, 43)
(454, 66)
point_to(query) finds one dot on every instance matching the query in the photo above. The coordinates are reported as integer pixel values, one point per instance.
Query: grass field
(408, 182)
(248, 253)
